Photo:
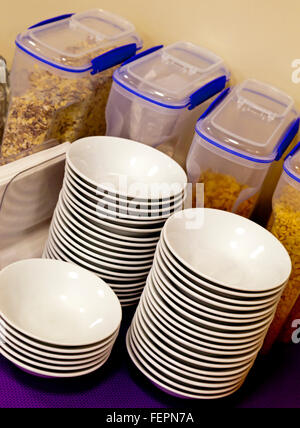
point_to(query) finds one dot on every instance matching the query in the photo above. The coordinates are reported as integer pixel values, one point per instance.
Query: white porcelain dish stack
(210, 298)
(56, 320)
(116, 197)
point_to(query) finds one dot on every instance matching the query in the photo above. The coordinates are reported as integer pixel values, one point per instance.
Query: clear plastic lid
(172, 74)
(253, 120)
(292, 164)
(72, 41)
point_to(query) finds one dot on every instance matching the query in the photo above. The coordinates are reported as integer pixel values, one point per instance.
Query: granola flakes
(56, 108)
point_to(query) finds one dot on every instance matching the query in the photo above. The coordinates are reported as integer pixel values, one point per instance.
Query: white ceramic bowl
(197, 301)
(101, 225)
(255, 298)
(228, 250)
(136, 162)
(96, 195)
(130, 213)
(168, 386)
(199, 310)
(49, 374)
(180, 376)
(58, 303)
(100, 249)
(104, 269)
(103, 220)
(99, 237)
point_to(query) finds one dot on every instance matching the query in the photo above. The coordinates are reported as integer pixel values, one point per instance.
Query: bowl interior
(228, 250)
(137, 171)
(58, 303)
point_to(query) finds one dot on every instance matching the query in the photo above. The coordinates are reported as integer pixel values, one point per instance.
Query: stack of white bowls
(116, 197)
(56, 320)
(209, 301)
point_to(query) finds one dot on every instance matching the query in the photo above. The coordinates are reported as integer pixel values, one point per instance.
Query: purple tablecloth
(274, 382)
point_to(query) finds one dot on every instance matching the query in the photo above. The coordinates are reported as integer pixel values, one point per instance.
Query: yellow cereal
(221, 192)
(285, 225)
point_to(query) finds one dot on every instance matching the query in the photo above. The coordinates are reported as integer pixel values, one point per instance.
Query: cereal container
(3, 94)
(237, 139)
(157, 95)
(61, 78)
(285, 225)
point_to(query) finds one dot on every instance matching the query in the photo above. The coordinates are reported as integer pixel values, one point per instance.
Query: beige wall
(257, 38)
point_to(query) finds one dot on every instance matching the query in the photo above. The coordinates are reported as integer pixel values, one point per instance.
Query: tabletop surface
(273, 382)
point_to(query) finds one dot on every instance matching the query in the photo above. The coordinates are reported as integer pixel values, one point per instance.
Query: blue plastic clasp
(215, 103)
(49, 21)
(288, 138)
(207, 91)
(142, 54)
(112, 58)
(295, 150)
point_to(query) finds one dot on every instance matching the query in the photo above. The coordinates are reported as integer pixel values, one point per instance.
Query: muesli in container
(285, 225)
(157, 95)
(61, 78)
(237, 139)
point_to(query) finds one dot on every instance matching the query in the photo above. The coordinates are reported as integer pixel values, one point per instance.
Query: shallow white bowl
(100, 261)
(96, 195)
(136, 162)
(78, 238)
(101, 225)
(32, 370)
(99, 237)
(177, 375)
(228, 250)
(45, 349)
(169, 265)
(58, 303)
(198, 301)
(241, 298)
(199, 310)
(121, 211)
(20, 343)
(168, 386)
(104, 271)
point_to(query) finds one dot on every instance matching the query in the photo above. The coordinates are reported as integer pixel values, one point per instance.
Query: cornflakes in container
(237, 139)
(157, 96)
(285, 225)
(61, 78)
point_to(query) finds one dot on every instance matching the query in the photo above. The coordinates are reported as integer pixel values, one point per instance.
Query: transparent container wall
(129, 116)
(49, 104)
(27, 204)
(231, 183)
(285, 225)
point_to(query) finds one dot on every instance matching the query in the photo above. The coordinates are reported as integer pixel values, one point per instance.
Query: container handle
(288, 138)
(49, 21)
(294, 151)
(112, 58)
(142, 54)
(207, 91)
(215, 103)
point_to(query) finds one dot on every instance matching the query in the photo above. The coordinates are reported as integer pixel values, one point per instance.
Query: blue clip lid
(292, 164)
(254, 121)
(91, 41)
(178, 76)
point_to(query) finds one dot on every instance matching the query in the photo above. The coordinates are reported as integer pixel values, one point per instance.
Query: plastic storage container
(237, 139)
(285, 225)
(61, 78)
(3, 94)
(155, 95)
